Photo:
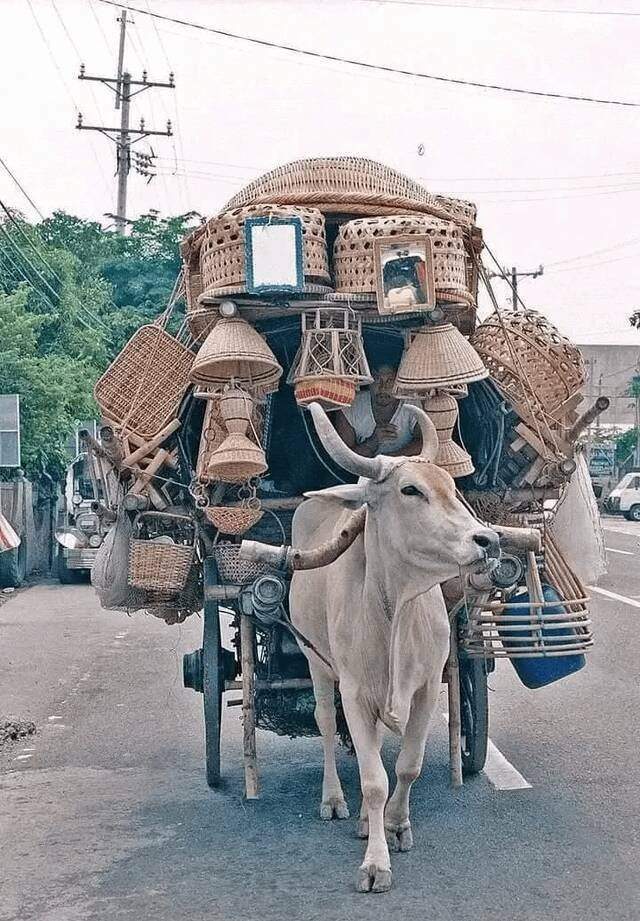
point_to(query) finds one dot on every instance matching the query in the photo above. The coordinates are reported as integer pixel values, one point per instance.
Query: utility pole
(123, 136)
(513, 281)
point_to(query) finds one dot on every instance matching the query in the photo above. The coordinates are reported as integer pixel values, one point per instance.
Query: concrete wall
(29, 511)
(617, 364)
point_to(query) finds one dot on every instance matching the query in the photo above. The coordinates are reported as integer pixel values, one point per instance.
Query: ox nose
(488, 541)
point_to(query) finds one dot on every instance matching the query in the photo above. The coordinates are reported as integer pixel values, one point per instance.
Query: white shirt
(361, 419)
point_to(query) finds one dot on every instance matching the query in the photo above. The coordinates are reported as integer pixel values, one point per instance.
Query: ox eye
(411, 490)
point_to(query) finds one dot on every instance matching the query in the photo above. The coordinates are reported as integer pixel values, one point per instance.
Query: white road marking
(614, 596)
(22, 757)
(625, 552)
(53, 718)
(28, 749)
(501, 773)
(120, 636)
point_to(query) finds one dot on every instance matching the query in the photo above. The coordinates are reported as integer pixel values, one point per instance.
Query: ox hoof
(399, 837)
(362, 828)
(373, 879)
(333, 808)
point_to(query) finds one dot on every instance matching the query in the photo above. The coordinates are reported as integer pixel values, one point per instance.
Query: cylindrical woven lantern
(331, 363)
(443, 411)
(235, 351)
(437, 357)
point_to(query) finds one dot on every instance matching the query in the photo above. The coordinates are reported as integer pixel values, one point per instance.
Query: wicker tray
(146, 383)
(353, 253)
(222, 258)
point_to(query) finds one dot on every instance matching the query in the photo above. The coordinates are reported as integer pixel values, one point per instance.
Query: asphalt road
(105, 814)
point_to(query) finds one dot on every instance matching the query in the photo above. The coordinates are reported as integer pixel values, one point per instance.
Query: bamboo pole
(154, 442)
(455, 722)
(145, 476)
(247, 638)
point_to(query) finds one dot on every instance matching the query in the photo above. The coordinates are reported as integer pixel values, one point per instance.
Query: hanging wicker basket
(437, 357)
(159, 565)
(232, 520)
(235, 351)
(234, 570)
(146, 383)
(353, 254)
(223, 257)
(443, 412)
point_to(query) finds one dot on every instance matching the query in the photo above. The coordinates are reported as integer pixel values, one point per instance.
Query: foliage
(71, 294)
(625, 445)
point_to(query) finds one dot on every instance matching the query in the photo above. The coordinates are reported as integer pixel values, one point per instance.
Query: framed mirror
(404, 273)
(273, 255)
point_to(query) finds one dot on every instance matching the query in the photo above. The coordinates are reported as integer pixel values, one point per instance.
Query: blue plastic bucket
(534, 671)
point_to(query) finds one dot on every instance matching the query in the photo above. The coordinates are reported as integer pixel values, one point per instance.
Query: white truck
(625, 498)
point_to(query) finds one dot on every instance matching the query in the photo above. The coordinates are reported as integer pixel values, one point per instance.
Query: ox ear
(351, 495)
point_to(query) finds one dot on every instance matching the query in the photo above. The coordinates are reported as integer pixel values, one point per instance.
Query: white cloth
(361, 419)
(576, 526)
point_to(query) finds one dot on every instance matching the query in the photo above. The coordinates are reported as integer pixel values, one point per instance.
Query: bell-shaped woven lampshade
(235, 351)
(443, 411)
(437, 356)
(237, 460)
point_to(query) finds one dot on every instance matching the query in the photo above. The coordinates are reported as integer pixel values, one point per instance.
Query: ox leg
(374, 874)
(408, 768)
(333, 803)
(362, 828)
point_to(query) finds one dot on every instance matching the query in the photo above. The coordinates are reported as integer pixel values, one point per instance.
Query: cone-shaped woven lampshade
(237, 460)
(234, 350)
(443, 411)
(438, 356)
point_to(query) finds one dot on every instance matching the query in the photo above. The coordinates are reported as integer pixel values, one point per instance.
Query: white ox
(377, 615)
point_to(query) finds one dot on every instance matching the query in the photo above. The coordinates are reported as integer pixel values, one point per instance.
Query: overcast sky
(556, 182)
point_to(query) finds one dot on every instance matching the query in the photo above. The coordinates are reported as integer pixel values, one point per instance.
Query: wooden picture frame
(405, 281)
(273, 255)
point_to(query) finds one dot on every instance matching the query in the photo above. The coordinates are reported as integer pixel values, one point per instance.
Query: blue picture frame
(284, 288)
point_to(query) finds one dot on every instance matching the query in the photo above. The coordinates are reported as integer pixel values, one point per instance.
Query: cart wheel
(474, 714)
(212, 677)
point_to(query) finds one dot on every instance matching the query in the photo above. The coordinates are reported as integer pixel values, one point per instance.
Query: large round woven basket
(532, 363)
(353, 253)
(222, 257)
(349, 185)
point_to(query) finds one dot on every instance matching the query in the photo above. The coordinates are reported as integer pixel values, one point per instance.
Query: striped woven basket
(330, 392)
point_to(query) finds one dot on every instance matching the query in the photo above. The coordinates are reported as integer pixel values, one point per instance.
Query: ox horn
(428, 432)
(370, 467)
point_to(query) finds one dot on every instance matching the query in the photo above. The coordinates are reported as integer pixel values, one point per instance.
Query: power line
(92, 316)
(596, 252)
(502, 9)
(17, 182)
(375, 67)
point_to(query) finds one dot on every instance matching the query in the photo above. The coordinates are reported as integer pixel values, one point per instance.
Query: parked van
(625, 498)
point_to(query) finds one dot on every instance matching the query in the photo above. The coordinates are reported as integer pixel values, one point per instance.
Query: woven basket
(229, 520)
(330, 392)
(443, 412)
(353, 252)
(159, 567)
(532, 363)
(146, 383)
(222, 259)
(235, 351)
(232, 569)
(437, 356)
(214, 433)
(201, 321)
(349, 185)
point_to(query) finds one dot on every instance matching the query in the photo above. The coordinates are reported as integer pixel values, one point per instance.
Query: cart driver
(378, 423)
